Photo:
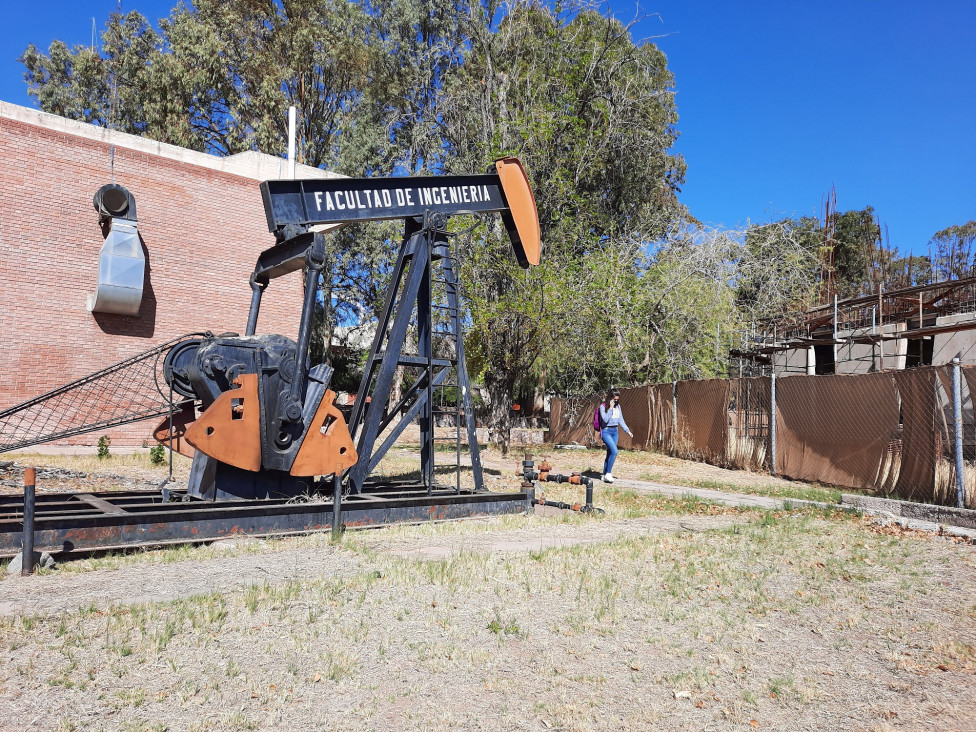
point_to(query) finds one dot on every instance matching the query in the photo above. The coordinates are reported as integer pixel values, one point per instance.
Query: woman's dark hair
(613, 392)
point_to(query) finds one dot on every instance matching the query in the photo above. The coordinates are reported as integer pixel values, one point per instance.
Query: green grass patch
(800, 491)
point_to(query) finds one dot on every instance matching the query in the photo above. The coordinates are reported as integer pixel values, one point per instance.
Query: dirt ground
(665, 613)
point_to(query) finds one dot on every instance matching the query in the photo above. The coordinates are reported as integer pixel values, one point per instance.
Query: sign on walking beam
(367, 198)
(505, 189)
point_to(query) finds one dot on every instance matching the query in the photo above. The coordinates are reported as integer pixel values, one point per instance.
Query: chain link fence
(894, 433)
(123, 393)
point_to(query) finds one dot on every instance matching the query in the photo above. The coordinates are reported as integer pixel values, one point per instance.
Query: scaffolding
(911, 315)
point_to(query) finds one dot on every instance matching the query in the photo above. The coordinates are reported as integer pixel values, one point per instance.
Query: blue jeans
(609, 435)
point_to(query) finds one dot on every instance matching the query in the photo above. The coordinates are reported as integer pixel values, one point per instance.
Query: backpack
(596, 418)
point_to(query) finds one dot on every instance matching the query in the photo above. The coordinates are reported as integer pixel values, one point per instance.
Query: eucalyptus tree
(954, 256)
(592, 112)
(105, 86)
(217, 76)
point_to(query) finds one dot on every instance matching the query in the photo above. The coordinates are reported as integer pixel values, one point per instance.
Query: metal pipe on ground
(589, 495)
(529, 475)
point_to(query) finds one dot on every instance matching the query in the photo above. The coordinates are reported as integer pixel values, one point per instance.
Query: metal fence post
(835, 333)
(957, 418)
(772, 423)
(27, 542)
(674, 414)
(336, 507)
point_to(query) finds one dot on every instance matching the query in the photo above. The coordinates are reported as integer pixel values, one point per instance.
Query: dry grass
(746, 453)
(86, 463)
(666, 613)
(811, 620)
(89, 473)
(945, 482)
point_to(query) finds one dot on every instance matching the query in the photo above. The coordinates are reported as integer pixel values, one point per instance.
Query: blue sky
(778, 101)
(781, 100)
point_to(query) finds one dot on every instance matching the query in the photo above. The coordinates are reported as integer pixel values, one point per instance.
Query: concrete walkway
(706, 494)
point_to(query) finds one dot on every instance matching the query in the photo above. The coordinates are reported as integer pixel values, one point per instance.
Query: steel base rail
(65, 523)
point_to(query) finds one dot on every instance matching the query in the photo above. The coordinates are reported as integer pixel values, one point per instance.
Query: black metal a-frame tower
(415, 288)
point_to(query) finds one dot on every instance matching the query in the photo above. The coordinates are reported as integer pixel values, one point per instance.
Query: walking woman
(611, 417)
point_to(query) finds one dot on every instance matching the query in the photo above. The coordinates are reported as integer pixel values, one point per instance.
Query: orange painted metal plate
(522, 218)
(181, 421)
(327, 448)
(230, 430)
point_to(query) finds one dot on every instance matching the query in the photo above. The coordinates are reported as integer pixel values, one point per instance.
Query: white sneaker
(608, 478)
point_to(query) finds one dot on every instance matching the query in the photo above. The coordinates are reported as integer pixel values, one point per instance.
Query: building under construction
(925, 325)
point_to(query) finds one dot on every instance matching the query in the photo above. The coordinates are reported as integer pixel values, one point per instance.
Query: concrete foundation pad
(963, 517)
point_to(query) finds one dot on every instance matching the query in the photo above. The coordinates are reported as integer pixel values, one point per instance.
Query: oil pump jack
(269, 427)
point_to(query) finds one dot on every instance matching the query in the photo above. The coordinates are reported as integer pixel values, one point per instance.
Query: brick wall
(202, 227)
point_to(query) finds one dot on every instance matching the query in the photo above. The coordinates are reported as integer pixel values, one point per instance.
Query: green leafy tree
(217, 76)
(592, 113)
(910, 271)
(954, 251)
(417, 47)
(106, 87)
(856, 240)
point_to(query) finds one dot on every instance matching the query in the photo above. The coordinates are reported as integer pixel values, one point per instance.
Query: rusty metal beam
(931, 303)
(77, 523)
(823, 314)
(100, 503)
